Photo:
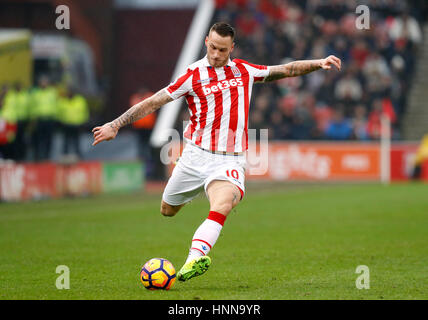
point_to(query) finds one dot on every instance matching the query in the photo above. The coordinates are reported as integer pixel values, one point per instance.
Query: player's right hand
(104, 133)
(331, 61)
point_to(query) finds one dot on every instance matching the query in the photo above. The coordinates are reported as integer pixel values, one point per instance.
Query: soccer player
(218, 92)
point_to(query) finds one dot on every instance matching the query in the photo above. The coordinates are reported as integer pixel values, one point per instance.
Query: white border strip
(191, 48)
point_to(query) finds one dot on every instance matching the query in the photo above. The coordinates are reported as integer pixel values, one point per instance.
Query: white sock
(206, 236)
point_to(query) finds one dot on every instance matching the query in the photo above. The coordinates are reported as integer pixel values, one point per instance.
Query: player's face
(218, 49)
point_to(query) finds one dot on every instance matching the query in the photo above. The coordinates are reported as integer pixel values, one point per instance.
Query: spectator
(348, 88)
(375, 66)
(246, 23)
(340, 49)
(280, 126)
(324, 93)
(7, 127)
(374, 122)
(323, 114)
(339, 128)
(302, 124)
(73, 114)
(44, 110)
(380, 107)
(360, 52)
(16, 110)
(359, 123)
(406, 27)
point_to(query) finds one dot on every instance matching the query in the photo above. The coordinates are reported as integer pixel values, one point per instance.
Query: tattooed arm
(109, 130)
(301, 67)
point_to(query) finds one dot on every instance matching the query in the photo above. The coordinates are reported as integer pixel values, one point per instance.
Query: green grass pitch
(292, 242)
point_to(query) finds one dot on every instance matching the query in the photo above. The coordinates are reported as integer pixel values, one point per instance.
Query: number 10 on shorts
(234, 174)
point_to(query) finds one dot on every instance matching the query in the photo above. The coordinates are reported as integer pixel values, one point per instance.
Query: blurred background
(58, 81)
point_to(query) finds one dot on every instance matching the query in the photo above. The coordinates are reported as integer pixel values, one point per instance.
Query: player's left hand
(329, 61)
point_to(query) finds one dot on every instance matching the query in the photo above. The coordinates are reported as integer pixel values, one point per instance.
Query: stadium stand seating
(378, 64)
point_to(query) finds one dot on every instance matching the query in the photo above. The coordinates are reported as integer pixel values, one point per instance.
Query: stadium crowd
(378, 64)
(29, 118)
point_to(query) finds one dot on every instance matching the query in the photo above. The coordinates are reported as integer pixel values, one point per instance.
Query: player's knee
(223, 207)
(167, 210)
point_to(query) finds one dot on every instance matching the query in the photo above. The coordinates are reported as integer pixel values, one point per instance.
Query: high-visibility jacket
(44, 103)
(16, 105)
(7, 112)
(73, 111)
(24, 100)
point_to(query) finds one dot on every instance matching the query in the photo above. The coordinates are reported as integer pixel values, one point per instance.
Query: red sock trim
(203, 242)
(198, 250)
(217, 217)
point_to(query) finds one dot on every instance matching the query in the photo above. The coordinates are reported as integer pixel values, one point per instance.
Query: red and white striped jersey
(219, 100)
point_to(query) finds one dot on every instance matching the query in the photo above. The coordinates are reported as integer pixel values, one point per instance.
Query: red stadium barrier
(325, 161)
(28, 181)
(21, 182)
(321, 161)
(402, 158)
(424, 172)
(285, 162)
(80, 179)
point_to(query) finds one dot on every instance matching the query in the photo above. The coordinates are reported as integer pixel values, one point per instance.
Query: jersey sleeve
(180, 86)
(257, 71)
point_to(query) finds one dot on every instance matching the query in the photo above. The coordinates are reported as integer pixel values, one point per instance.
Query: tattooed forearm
(293, 69)
(141, 109)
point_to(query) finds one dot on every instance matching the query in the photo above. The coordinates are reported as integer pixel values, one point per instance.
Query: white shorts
(196, 168)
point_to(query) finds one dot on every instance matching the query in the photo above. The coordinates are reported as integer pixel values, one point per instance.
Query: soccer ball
(158, 273)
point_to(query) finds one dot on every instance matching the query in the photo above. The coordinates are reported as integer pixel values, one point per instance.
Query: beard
(218, 63)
